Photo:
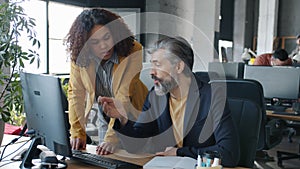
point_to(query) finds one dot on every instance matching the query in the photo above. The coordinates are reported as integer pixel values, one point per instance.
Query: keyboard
(276, 108)
(286, 113)
(102, 161)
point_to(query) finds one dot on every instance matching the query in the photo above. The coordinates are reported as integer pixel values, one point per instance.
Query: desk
(72, 164)
(284, 117)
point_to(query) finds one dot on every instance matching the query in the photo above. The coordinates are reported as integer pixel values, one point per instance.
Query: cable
(7, 163)
(23, 130)
(16, 149)
(4, 150)
(14, 141)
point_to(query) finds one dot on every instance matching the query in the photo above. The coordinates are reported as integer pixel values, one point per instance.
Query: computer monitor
(44, 103)
(227, 70)
(278, 82)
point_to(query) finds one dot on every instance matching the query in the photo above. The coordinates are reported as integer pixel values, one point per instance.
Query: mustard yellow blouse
(126, 86)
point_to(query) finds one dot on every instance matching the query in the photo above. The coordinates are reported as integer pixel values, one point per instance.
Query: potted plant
(14, 23)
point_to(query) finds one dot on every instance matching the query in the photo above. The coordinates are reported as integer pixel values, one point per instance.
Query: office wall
(288, 25)
(193, 19)
(289, 17)
(245, 26)
(288, 21)
(226, 23)
(251, 22)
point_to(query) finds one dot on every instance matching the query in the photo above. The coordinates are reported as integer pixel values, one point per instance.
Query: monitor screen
(228, 70)
(278, 82)
(44, 103)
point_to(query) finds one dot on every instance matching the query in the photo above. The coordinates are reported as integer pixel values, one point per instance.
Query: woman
(105, 61)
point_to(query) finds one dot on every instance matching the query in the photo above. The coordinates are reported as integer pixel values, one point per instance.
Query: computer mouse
(36, 154)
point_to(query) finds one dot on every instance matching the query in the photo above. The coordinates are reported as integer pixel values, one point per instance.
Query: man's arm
(135, 136)
(113, 108)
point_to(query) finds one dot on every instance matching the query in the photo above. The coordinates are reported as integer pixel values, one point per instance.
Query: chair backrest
(244, 97)
(145, 75)
(206, 76)
(251, 93)
(227, 70)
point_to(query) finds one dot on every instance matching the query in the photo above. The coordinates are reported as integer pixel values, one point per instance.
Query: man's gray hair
(177, 49)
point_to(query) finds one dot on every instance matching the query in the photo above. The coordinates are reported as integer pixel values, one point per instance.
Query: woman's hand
(78, 143)
(105, 148)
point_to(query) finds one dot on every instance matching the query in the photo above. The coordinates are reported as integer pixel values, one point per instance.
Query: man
(278, 58)
(182, 116)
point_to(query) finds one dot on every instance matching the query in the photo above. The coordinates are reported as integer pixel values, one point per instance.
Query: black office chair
(247, 114)
(284, 155)
(271, 133)
(206, 76)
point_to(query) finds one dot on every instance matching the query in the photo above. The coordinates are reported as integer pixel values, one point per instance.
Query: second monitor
(278, 82)
(228, 70)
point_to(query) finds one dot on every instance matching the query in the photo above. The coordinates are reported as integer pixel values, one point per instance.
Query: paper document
(170, 162)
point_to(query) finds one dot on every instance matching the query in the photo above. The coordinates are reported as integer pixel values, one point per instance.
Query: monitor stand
(27, 160)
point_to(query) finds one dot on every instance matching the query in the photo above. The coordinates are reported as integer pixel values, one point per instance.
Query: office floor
(283, 146)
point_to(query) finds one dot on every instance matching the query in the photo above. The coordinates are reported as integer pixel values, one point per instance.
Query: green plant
(14, 23)
(65, 86)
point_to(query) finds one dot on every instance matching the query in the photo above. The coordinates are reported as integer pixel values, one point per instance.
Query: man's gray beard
(165, 87)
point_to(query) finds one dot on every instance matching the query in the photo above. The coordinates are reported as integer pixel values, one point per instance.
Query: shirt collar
(114, 59)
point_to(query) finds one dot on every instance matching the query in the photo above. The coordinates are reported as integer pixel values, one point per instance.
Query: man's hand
(105, 148)
(78, 143)
(113, 108)
(169, 151)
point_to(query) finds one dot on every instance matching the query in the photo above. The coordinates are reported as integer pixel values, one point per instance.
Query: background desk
(283, 117)
(72, 164)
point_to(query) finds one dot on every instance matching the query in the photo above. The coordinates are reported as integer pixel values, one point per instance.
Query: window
(54, 58)
(61, 17)
(31, 8)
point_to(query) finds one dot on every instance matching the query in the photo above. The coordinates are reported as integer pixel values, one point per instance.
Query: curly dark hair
(83, 24)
